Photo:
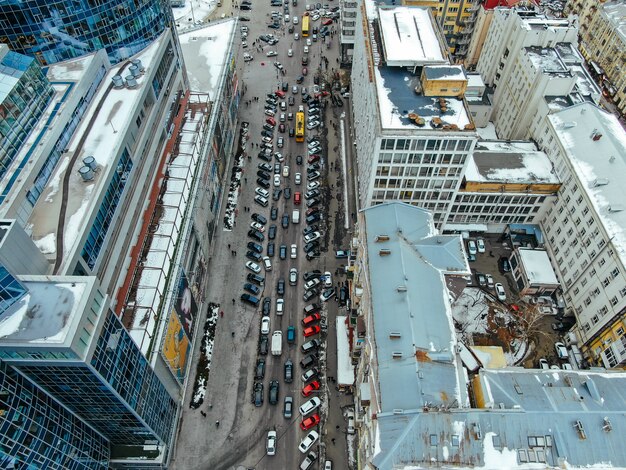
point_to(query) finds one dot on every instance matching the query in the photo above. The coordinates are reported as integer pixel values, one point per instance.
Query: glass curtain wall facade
(11, 290)
(117, 392)
(37, 432)
(24, 94)
(57, 30)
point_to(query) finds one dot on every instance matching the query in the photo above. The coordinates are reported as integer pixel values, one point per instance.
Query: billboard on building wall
(185, 305)
(176, 347)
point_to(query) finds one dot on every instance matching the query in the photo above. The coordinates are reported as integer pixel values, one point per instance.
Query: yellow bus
(299, 126)
(305, 25)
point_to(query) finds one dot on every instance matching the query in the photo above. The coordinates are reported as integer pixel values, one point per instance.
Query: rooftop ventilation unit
(401, 288)
(600, 182)
(118, 81)
(131, 82)
(398, 411)
(384, 252)
(613, 208)
(607, 426)
(138, 64)
(595, 135)
(395, 335)
(578, 425)
(86, 173)
(134, 70)
(381, 238)
(90, 161)
(396, 354)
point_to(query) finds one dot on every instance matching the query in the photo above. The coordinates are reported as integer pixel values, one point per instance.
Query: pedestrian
(232, 334)
(221, 313)
(233, 301)
(246, 180)
(217, 423)
(333, 440)
(229, 246)
(235, 252)
(336, 427)
(203, 413)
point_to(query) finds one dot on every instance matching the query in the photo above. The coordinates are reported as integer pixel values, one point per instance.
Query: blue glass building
(105, 400)
(56, 30)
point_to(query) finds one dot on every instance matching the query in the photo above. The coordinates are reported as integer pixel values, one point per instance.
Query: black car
(257, 394)
(259, 372)
(256, 235)
(267, 127)
(265, 133)
(265, 167)
(263, 345)
(288, 407)
(311, 219)
(274, 25)
(288, 371)
(273, 392)
(312, 193)
(311, 211)
(283, 252)
(267, 306)
(313, 202)
(252, 288)
(263, 183)
(285, 221)
(276, 194)
(504, 265)
(308, 295)
(312, 255)
(314, 245)
(287, 193)
(300, 79)
(270, 249)
(280, 286)
(299, 159)
(274, 213)
(343, 294)
(312, 275)
(291, 101)
(308, 361)
(253, 256)
(265, 156)
(251, 277)
(291, 132)
(244, 18)
(245, 7)
(250, 299)
(259, 218)
(277, 168)
(255, 247)
(285, 86)
(310, 229)
(271, 234)
(310, 346)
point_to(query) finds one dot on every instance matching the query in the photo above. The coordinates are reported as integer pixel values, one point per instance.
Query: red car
(271, 121)
(327, 21)
(313, 158)
(280, 93)
(305, 71)
(311, 330)
(310, 388)
(309, 422)
(306, 321)
(297, 198)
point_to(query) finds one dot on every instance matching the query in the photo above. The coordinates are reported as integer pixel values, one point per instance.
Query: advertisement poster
(176, 348)
(186, 306)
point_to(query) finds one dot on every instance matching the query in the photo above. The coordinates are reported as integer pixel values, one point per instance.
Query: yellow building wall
(443, 87)
(610, 335)
(543, 188)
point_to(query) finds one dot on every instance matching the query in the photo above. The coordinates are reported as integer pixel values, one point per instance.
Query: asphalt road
(239, 440)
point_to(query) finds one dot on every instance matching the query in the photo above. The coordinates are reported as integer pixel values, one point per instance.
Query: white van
(295, 216)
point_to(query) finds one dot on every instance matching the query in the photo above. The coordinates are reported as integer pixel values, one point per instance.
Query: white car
(257, 226)
(481, 245)
(296, 36)
(308, 441)
(265, 325)
(276, 180)
(287, 19)
(500, 292)
(312, 185)
(328, 280)
(306, 49)
(290, 53)
(308, 41)
(280, 306)
(262, 192)
(310, 406)
(271, 53)
(268, 263)
(270, 446)
(543, 364)
(298, 178)
(471, 247)
(286, 171)
(313, 176)
(315, 17)
(294, 251)
(312, 125)
(293, 276)
(252, 266)
(561, 350)
(280, 142)
(295, 21)
(247, 57)
(308, 285)
(312, 237)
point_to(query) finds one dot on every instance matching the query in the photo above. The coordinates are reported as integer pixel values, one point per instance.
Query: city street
(232, 432)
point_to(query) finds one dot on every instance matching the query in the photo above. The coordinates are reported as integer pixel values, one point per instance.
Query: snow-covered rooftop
(547, 60)
(445, 72)
(599, 164)
(47, 315)
(70, 70)
(205, 52)
(616, 12)
(345, 369)
(510, 162)
(409, 37)
(537, 267)
(417, 364)
(101, 134)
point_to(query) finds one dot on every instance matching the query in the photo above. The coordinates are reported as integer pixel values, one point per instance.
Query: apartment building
(349, 10)
(416, 403)
(603, 44)
(413, 131)
(585, 227)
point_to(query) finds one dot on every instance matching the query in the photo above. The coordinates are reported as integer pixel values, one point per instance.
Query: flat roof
(397, 99)
(537, 267)
(205, 53)
(409, 37)
(47, 315)
(547, 59)
(509, 162)
(100, 134)
(413, 328)
(445, 72)
(599, 164)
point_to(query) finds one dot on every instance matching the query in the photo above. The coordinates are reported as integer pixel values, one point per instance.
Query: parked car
(500, 292)
(309, 374)
(309, 422)
(561, 350)
(308, 441)
(288, 407)
(310, 388)
(310, 345)
(480, 244)
(250, 299)
(310, 406)
(259, 372)
(288, 369)
(273, 398)
(257, 394)
(471, 247)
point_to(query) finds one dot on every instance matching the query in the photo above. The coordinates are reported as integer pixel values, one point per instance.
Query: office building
(60, 334)
(603, 44)
(57, 30)
(415, 400)
(413, 132)
(349, 9)
(585, 227)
